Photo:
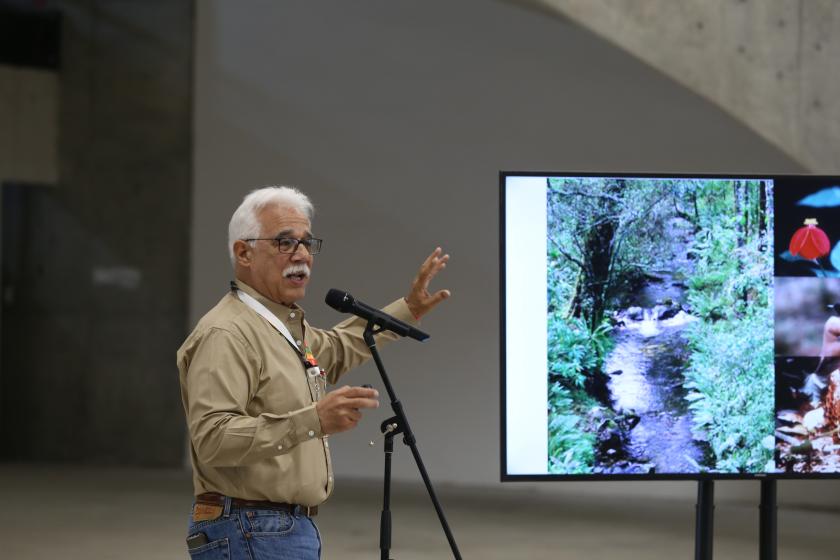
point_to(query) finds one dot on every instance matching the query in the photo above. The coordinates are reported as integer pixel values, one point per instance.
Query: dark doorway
(41, 404)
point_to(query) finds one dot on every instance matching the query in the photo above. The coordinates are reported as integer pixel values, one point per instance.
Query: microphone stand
(398, 424)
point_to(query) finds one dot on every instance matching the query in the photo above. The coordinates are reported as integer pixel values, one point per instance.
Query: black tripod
(398, 424)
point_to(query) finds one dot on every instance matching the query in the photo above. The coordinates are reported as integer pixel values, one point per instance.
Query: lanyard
(264, 312)
(314, 374)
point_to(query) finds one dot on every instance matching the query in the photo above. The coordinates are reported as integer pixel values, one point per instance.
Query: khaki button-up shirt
(250, 406)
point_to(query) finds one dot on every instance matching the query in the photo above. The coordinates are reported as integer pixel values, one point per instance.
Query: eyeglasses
(290, 244)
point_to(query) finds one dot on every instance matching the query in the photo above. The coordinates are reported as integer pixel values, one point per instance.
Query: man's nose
(301, 253)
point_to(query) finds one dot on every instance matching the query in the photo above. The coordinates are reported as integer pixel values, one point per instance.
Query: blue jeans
(257, 534)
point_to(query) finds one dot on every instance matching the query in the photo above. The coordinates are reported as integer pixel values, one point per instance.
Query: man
(253, 379)
(831, 338)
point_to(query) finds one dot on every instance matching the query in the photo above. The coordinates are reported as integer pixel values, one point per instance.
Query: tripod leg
(449, 537)
(385, 518)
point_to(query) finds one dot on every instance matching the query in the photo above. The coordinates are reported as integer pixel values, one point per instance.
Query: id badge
(316, 381)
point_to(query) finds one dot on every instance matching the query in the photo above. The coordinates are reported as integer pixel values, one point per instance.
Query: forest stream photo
(660, 326)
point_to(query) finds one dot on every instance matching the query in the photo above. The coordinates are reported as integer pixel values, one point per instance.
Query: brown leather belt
(214, 498)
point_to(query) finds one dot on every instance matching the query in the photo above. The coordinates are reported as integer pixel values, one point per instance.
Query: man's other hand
(419, 300)
(339, 410)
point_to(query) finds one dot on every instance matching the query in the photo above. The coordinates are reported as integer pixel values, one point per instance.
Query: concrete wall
(28, 124)
(771, 64)
(95, 295)
(396, 118)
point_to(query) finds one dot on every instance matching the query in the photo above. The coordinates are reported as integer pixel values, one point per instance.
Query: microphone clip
(389, 428)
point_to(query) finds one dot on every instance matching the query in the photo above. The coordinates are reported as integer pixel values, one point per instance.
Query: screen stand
(767, 528)
(704, 531)
(391, 427)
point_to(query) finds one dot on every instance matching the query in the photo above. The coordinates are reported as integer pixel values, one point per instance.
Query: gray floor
(74, 513)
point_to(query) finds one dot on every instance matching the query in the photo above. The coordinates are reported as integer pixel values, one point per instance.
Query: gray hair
(244, 223)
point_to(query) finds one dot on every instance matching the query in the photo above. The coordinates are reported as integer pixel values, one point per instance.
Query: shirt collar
(280, 310)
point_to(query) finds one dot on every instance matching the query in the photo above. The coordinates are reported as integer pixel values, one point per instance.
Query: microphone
(345, 303)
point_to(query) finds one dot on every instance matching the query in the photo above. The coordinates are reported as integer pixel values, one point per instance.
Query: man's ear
(242, 252)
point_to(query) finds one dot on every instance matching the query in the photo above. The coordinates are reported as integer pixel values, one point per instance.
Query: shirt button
(292, 315)
(280, 448)
(298, 342)
(311, 433)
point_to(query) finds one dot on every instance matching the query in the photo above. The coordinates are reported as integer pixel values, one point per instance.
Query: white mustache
(296, 269)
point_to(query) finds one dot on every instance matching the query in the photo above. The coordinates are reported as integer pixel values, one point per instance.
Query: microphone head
(339, 300)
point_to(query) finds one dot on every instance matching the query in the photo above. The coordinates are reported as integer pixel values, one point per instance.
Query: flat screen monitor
(669, 326)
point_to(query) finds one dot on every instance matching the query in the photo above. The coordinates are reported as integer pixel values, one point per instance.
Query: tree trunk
(747, 210)
(598, 248)
(832, 399)
(762, 208)
(740, 207)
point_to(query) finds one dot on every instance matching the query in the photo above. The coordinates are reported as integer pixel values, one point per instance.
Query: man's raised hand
(419, 300)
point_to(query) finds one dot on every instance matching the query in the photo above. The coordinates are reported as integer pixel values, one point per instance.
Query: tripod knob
(387, 430)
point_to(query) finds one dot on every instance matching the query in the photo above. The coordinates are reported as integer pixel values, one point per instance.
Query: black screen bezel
(778, 179)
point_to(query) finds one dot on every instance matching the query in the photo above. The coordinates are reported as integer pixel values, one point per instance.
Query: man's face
(282, 277)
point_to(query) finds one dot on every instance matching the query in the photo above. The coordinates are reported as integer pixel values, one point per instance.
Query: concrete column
(100, 285)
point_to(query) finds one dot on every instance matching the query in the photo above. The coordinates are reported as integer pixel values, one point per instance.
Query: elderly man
(253, 379)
